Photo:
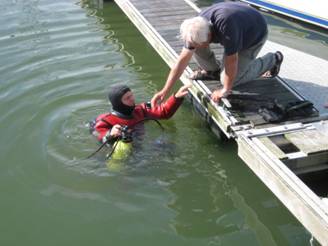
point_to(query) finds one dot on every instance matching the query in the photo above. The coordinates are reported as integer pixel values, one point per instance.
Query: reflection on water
(233, 212)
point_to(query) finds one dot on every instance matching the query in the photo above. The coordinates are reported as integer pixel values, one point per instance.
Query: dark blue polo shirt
(236, 26)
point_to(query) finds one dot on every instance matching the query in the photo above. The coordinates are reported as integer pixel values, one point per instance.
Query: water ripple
(59, 61)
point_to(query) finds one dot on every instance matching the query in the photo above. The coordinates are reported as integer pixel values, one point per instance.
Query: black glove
(108, 138)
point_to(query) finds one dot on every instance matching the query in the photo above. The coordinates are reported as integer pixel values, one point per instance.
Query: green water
(181, 187)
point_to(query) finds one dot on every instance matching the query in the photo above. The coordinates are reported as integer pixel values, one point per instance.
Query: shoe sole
(276, 69)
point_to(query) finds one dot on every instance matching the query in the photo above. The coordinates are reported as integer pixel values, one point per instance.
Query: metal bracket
(274, 130)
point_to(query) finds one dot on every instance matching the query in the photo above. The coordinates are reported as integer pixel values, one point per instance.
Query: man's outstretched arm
(174, 75)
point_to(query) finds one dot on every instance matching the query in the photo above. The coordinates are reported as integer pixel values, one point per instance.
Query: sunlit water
(180, 187)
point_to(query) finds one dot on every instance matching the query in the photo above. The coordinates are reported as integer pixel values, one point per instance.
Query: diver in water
(125, 113)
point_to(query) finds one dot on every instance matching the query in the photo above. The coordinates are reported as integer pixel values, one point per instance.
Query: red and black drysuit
(105, 122)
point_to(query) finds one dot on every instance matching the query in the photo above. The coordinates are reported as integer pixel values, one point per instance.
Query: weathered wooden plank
(309, 141)
(167, 20)
(297, 197)
(169, 35)
(266, 141)
(173, 15)
(165, 9)
(152, 3)
(157, 4)
(163, 27)
(175, 43)
(177, 48)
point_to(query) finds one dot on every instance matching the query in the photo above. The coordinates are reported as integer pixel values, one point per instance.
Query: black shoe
(276, 68)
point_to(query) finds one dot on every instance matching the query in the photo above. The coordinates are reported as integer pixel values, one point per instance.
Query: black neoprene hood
(115, 97)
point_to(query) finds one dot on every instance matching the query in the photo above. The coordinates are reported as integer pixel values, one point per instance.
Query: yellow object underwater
(121, 152)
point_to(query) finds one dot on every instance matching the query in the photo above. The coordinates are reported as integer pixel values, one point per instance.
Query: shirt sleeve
(101, 129)
(164, 110)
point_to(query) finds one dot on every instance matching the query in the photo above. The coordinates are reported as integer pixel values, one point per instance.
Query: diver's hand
(115, 132)
(158, 98)
(183, 91)
(112, 134)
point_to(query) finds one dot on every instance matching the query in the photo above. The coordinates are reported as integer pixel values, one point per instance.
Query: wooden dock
(286, 156)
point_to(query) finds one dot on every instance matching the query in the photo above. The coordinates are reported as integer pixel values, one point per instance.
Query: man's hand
(112, 134)
(174, 75)
(183, 91)
(157, 98)
(115, 131)
(218, 94)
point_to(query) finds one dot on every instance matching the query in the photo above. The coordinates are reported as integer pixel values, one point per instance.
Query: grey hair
(195, 30)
